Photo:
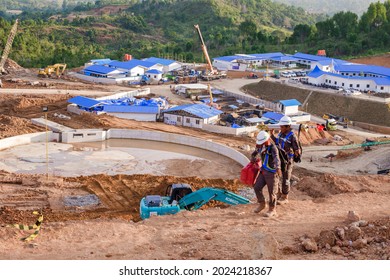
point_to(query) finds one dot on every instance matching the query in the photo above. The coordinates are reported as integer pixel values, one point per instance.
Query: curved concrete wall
(91, 136)
(26, 139)
(179, 139)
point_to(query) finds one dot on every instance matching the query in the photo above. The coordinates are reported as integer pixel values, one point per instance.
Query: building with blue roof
(167, 64)
(125, 107)
(249, 62)
(101, 71)
(191, 115)
(289, 106)
(362, 81)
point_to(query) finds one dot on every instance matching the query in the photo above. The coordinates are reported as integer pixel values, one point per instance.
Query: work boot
(260, 207)
(271, 212)
(283, 199)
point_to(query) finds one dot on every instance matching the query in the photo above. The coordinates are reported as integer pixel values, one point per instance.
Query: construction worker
(269, 172)
(287, 141)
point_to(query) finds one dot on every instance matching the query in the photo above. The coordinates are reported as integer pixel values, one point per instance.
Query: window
(382, 88)
(197, 121)
(342, 84)
(179, 119)
(368, 86)
(354, 74)
(187, 120)
(155, 76)
(358, 85)
(350, 85)
(335, 82)
(326, 80)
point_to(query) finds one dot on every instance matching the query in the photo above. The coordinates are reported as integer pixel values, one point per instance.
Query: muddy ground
(316, 224)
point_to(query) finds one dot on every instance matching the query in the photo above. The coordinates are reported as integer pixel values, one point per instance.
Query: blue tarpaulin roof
(199, 110)
(290, 102)
(100, 69)
(273, 116)
(84, 101)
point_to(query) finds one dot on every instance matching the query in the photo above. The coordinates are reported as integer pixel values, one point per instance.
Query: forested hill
(160, 28)
(331, 7)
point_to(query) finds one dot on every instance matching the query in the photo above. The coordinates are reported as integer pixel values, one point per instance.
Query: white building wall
(137, 71)
(290, 110)
(222, 65)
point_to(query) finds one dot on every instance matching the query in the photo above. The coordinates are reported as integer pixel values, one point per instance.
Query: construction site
(87, 193)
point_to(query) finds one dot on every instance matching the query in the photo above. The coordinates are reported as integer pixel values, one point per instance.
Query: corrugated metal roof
(368, 69)
(162, 61)
(154, 71)
(310, 57)
(283, 58)
(316, 72)
(229, 58)
(199, 110)
(84, 101)
(131, 64)
(266, 55)
(131, 109)
(290, 102)
(273, 116)
(382, 81)
(99, 69)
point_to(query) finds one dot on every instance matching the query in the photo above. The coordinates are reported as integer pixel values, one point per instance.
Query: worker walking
(269, 172)
(287, 141)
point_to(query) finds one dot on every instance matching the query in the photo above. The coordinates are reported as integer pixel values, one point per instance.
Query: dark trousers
(272, 182)
(286, 180)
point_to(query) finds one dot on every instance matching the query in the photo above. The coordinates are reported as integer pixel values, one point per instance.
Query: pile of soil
(11, 66)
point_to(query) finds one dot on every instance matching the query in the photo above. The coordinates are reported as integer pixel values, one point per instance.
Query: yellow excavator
(51, 70)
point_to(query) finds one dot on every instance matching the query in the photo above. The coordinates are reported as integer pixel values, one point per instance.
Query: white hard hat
(285, 120)
(262, 137)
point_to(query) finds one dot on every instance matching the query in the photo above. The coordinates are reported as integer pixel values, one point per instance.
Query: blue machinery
(181, 197)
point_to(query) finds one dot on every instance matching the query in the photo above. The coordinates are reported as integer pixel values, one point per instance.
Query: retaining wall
(97, 135)
(179, 139)
(24, 139)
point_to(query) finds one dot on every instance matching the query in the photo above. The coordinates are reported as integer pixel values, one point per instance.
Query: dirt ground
(316, 224)
(380, 60)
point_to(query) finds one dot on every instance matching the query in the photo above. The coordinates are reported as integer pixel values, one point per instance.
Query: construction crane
(8, 46)
(204, 48)
(213, 74)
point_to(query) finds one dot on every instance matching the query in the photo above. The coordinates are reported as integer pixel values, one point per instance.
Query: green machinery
(180, 197)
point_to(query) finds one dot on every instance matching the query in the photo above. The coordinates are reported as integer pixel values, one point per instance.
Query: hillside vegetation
(331, 6)
(161, 28)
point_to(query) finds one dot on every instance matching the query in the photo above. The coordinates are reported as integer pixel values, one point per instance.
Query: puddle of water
(118, 156)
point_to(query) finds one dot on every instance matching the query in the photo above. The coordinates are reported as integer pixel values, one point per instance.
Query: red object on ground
(249, 173)
(320, 127)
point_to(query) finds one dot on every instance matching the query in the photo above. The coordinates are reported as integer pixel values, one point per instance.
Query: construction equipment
(57, 69)
(8, 46)
(180, 197)
(212, 73)
(331, 124)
